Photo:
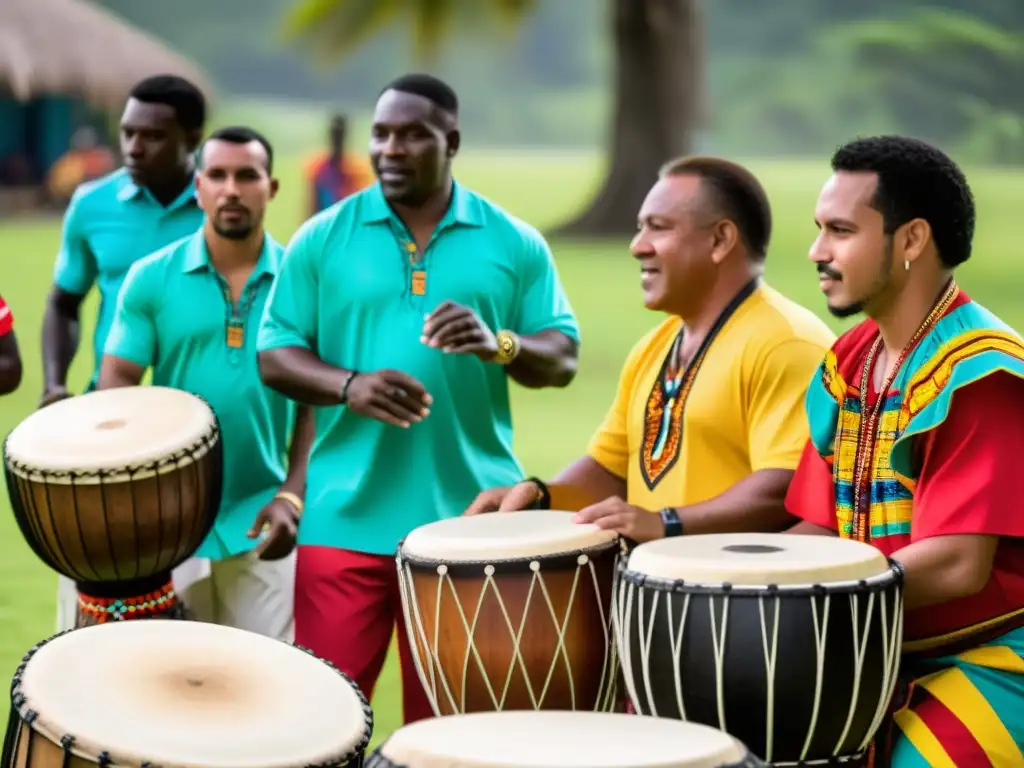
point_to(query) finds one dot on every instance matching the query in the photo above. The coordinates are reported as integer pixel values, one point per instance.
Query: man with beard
(707, 425)
(917, 429)
(404, 310)
(113, 222)
(190, 312)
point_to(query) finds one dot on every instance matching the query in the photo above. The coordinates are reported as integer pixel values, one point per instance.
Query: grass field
(602, 282)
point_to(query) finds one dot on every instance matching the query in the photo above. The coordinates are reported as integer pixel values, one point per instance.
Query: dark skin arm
(118, 372)
(10, 364)
(582, 483)
(60, 342)
(945, 568)
(298, 451)
(300, 375)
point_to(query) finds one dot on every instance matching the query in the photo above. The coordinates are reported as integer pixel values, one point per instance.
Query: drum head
(501, 536)
(552, 739)
(749, 559)
(182, 693)
(110, 429)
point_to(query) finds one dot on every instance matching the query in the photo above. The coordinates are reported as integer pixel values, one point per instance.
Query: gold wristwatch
(508, 347)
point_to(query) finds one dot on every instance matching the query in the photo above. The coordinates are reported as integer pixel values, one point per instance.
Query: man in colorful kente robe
(928, 472)
(707, 424)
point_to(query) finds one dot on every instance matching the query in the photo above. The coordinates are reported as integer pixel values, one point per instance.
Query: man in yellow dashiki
(932, 476)
(707, 425)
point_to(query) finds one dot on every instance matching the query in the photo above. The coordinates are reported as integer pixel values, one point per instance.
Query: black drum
(789, 643)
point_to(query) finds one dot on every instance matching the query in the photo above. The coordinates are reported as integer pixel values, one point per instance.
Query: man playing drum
(10, 357)
(929, 472)
(707, 424)
(113, 222)
(190, 312)
(409, 304)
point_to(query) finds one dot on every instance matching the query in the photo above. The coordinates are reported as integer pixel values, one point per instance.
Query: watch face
(506, 345)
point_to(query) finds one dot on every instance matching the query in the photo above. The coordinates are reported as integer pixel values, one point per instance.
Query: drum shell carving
(590, 679)
(716, 648)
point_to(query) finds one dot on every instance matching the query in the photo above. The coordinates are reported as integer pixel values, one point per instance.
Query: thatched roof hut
(75, 48)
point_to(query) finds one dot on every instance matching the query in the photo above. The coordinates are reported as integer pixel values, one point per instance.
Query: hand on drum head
(508, 498)
(278, 520)
(52, 395)
(389, 396)
(614, 514)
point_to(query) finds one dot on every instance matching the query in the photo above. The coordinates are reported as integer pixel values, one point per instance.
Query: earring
(906, 265)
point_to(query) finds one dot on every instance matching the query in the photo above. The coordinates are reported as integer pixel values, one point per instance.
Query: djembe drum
(562, 739)
(789, 643)
(114, 489)
(511, 611)
(181, 693)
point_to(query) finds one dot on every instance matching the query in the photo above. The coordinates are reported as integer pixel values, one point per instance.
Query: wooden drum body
(511, 611)
(114, 489)
(789, 643)
(563, 739)
(181, 693)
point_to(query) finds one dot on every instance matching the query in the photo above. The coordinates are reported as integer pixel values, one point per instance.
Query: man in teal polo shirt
(190, 312)
(403, 310)
(113, 222)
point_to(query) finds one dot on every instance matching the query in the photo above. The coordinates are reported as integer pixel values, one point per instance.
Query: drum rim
(507, 563)
(29, 716)
(893, 575)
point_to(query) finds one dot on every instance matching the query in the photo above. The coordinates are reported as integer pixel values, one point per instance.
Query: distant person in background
(221, 277)
(84, 161)
(334, 175)
(113, 222)
(10, 359)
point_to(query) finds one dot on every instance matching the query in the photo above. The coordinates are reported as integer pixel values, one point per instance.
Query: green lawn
(603, 284)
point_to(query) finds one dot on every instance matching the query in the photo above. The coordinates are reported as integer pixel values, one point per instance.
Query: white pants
(242, 592)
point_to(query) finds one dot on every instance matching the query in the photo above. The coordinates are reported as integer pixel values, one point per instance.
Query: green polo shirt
(347, 291)
(110, 224)
(173, 315)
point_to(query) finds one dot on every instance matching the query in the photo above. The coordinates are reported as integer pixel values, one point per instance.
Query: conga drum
(789, 643)
(559, 740)
(181, 694)
(114, 489)
(511, 611)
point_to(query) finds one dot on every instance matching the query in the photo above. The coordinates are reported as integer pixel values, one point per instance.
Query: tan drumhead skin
(109, 429)
(552, 739)
(758, 559)
(186, 694)
(500, 536)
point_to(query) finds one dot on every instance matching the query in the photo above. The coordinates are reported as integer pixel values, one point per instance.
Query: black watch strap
(544, 498)
(673, 525)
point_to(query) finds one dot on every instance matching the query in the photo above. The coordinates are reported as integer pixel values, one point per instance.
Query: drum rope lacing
(417, 630)
(622, 611)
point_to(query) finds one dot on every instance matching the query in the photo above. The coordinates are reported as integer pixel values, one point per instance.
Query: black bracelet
(344, 388)
(544, 501)
(673, 525)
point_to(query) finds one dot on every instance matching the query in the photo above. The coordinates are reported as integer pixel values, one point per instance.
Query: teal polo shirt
(173, 315)
(346, 291)
(110, 224)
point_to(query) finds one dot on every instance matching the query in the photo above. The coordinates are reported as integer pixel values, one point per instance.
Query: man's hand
(52, 395)
(613, 514)
(507, 498)
(389, 396)
(279, 519)
(459, 330)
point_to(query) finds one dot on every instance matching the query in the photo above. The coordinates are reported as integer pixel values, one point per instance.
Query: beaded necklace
(868, 433)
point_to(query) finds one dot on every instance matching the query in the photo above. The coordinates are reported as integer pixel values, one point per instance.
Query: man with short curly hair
(917, 428)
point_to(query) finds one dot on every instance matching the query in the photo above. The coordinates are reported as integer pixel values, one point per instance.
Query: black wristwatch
(543, 500)
(673, 525)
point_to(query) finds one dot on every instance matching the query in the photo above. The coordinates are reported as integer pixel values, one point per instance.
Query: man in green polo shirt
(402, 311)
(113, 222)
(190, 312)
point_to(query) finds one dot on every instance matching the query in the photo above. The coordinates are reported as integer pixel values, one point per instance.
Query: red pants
(346, 607)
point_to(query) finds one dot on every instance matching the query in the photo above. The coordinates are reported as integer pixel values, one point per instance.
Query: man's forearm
(945, 568)
(300, 375)
(545, 359)
(298, 451)
(754, 504)
(60, 343)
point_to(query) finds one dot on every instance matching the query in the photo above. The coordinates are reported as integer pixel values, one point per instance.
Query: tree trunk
(657, 104)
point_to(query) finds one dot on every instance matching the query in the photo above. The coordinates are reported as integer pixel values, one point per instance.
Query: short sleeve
(812, 494)
(609, 445)
(777, 419)
(969, 481)
(75, 270)
(132, 333)
(290, 316)
(543, 303)
(6, 318)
